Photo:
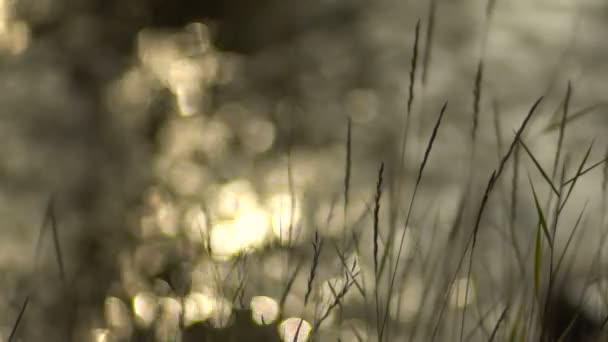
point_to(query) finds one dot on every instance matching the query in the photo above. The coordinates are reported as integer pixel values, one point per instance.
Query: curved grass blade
(541, 216)
(576, 177)
(589, 169)
(539, 167)
(19, 318)
(500, 319)
(575, 116)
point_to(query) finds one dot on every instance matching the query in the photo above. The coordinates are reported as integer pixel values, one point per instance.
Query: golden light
(285, 216)
(295, 330)
(167, 324)
(458, 296)
(14, 34)
(117, 317)
(264, 310)
(102, 335)
(235, 198)
(167, 219)
(198, 307)
(185, 80)
(145, 306)
(248, 231)
(195, 225)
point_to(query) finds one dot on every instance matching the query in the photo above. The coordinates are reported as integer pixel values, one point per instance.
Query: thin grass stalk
(405, 134)
(473, 236)
(376, 238)
(19, 319)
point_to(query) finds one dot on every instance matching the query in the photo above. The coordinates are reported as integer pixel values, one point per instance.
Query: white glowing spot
(234, 198)
(102, 335)
(117, 317)
(189, 100)
(167, 219)
(264, 310)
(224, 244)
(295, 330)
(185, 80)
(253, 227)
(458, 293)
(195, 225)
(145, 306)
(248, 231)
(285, 215)
(14, 34)
(198, 307)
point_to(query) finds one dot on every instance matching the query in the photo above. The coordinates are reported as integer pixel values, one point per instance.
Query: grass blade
(377, 217)
(414, 66)
(476, 101)
(562, 129)
(564, 336)
(428, 46)
(590, 168)
(570, 237)
(538, 258)
(539, 167)
(375, 251)
(347, 166)
(518, 134)
(575, 116)
(19, 319)
(541, 215)
(409, 212)
(576, 177)
(500, 319)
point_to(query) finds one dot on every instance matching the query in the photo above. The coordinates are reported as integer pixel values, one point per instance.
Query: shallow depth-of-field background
(211, 170)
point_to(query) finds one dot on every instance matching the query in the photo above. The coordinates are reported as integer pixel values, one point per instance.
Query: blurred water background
(166, 136)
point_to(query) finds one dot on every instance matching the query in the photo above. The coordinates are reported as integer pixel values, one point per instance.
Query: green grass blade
(575, 116)
(539, 167)
(583, 172)
(541, 216)
(515, 328)
(576, 177)
(500, 319)
(538, 259)
(576, 225)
